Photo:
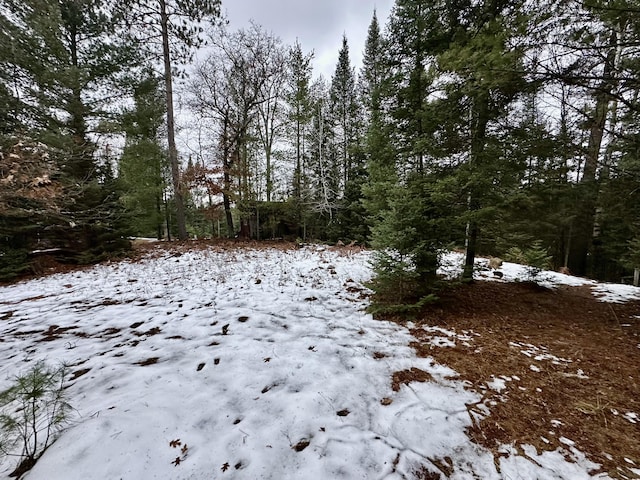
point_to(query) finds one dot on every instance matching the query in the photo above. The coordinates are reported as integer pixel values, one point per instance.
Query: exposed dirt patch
(79, 373)
(407, 376)
(552, 364)
(148, 361)
(148, 333)
(54, 332)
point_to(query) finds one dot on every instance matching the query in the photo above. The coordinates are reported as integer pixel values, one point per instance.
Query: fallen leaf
(225, 467)
(301, 445)
(175, 443)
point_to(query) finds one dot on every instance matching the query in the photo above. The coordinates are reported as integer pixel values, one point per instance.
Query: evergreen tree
(487, 71)
(170, 30)
(378, 150)
(299, 116)
(371, 73)
(347, 124)
(69, 63)
(345, 110)
(405, 195)
(143, 163)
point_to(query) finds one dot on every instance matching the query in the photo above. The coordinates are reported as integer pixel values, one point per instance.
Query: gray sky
(317, 24)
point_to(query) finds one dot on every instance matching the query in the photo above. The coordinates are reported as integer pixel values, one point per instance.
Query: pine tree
(143, 163)
(378, 150)
(371, 73)
(489, 75)
(344, 110)
(347, 120)
(404, 196)
(68, 62)
(170, 30)
(299, 115)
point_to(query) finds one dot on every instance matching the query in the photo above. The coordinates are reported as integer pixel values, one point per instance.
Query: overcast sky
(317, 24)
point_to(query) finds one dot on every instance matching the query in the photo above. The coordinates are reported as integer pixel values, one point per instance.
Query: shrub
(32, 412)
(536, 258)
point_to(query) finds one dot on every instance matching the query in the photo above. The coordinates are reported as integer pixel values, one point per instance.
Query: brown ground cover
(570, 366)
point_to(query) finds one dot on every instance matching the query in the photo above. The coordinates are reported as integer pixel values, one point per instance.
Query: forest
(504, 128)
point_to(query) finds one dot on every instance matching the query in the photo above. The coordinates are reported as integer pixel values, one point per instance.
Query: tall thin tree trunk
(582, 242)
(268, 174)
(478, 141)
(226, 192)
(173, 151)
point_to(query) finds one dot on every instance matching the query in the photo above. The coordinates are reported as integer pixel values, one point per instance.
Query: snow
(246, 364)
(606, 292)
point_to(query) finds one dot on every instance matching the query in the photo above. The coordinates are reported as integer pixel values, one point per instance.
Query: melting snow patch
(566, 441)
(580, 374)
(497, 384)
(442, 342)
(615, 293)
(538, 353)
(448, 340)
(631, 416)
(533, 368)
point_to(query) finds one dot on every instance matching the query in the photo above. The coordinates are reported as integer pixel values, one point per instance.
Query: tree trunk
(478, 140)
(268, 173)
(173, 151)
(582, 242)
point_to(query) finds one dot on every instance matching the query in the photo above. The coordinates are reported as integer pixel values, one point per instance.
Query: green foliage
(143, 167)
(536, 258)
(410, 238)
(33, 411)
(13, 263)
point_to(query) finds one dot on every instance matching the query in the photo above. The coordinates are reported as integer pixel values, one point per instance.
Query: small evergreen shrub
(409, 237)
(536, 258)
(32, 412)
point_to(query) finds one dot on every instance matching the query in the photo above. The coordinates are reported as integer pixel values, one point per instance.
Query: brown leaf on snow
(175, 443)
(225, 467)
(301, 445)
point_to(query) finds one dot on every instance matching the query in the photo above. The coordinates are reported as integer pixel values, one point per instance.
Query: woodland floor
(568, 363)
(512, 323)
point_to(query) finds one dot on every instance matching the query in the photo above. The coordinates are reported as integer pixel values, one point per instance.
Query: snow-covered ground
(246, 364)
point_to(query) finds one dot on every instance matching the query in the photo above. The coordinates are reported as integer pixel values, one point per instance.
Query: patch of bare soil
(570, 366)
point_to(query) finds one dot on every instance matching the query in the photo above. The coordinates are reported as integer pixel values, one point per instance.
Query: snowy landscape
(241, 363)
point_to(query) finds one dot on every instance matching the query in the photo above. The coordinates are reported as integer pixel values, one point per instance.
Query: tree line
(498, 127)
